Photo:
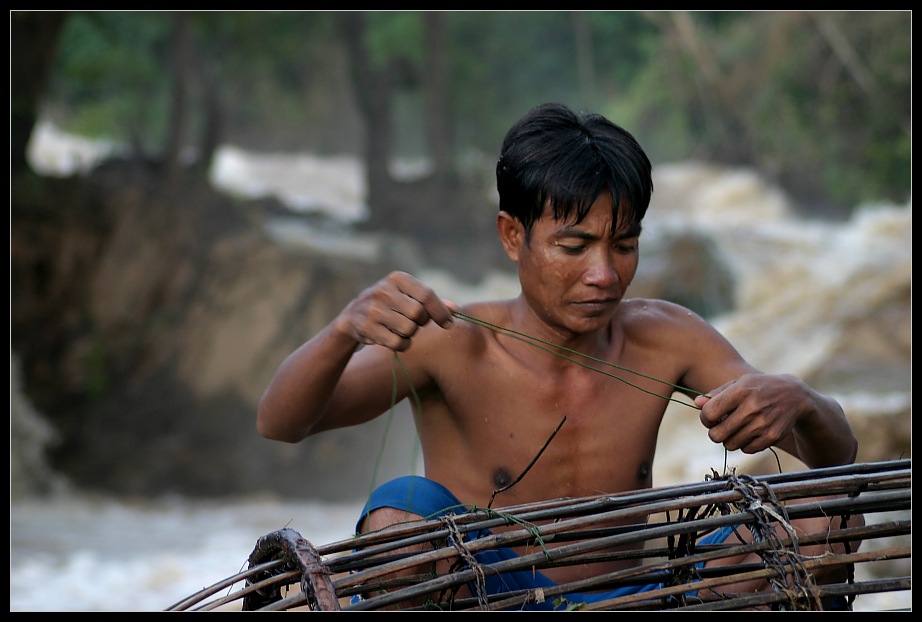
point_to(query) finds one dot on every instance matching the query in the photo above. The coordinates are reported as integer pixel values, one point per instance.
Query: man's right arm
(326, 383)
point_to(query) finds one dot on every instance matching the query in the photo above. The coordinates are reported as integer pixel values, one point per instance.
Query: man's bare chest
(592, 410)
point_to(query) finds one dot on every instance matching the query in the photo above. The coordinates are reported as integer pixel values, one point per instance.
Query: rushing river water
(74, 552)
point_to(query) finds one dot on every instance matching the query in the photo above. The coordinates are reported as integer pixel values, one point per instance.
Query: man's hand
(391, 311)
(755, 411)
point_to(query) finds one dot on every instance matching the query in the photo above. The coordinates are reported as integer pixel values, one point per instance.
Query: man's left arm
(748, 410)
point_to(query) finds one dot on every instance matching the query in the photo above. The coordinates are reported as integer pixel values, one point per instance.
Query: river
(806, 286)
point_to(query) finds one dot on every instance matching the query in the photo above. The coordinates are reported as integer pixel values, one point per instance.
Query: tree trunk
(34, 37)
(372, 92)
(438, 133)
(585, 64)
(178, 122)
(212, 132)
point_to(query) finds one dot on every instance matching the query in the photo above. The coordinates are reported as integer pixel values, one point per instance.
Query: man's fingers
(431, 306)
(443, 314)
(390, 313)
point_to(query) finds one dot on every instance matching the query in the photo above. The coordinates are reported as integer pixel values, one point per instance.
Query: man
(573, 192)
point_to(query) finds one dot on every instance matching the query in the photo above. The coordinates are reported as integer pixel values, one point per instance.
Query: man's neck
(539, 334)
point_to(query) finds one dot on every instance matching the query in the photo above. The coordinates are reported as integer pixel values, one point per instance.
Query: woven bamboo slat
(659, 529)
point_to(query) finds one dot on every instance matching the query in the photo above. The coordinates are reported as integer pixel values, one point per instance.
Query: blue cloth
(430, 499)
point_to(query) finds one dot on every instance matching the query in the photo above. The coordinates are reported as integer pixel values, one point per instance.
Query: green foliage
(818, 101)
(506, 62)
(623, 43)
(110, 73)
(394, 35)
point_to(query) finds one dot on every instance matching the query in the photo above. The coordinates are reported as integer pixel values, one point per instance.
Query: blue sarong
(430, 499)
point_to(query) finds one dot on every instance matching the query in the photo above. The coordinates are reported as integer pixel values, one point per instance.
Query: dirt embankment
(149, 317)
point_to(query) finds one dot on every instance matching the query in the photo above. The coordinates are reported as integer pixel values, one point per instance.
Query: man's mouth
(596, 303)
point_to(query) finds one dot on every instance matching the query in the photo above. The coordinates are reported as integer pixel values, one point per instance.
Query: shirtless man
(573, 192)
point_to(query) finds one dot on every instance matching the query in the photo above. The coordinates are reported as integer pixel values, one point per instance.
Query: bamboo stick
(581, 531)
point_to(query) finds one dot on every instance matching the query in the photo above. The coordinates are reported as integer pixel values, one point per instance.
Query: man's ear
(511, 234)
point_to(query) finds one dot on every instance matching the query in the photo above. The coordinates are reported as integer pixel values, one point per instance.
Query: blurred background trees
(818, 101)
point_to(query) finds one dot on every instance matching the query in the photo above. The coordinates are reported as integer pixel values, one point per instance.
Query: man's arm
(326, 383)
(745, 409)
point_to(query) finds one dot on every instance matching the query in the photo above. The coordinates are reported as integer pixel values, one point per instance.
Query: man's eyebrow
(569, 231)
(633, 232)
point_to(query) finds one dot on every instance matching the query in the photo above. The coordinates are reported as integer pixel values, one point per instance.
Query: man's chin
(585, 323)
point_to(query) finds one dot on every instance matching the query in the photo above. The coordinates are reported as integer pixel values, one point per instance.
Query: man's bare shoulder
(651, 317)
(663, 326)
(473, 324)
(493, 311)
(656, 310)
(477, 320)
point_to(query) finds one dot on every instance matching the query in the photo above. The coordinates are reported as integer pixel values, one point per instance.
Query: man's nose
(601, 270)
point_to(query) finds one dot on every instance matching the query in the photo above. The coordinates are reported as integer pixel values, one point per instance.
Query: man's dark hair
(553, 156)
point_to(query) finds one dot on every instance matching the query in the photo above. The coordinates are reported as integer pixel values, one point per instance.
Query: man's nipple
(501, 477)
(643, 473)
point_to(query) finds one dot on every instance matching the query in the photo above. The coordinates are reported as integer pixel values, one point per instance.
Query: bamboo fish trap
(286, 571)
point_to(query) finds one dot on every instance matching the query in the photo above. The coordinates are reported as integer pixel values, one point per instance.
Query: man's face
(574, 275)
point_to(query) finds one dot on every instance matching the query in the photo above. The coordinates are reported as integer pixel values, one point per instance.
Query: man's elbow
(853, 451)
(269, 429)
(847, 454)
